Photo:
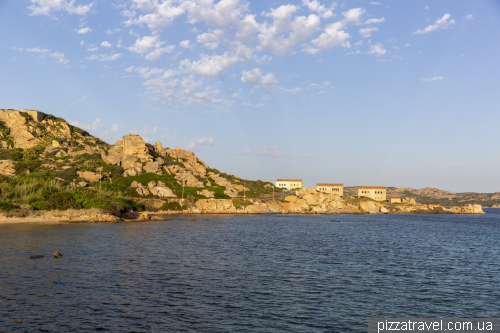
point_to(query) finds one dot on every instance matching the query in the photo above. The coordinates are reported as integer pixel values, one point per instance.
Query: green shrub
(53, 118)
(62, 201)
(130, 204)
(15, 154)
(40, 205)
(67, 174)
(26, 116)
(240, 203)
(173, 206)
(5, 206)
(46, 192)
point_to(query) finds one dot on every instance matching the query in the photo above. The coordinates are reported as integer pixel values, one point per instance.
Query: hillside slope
(47, 163)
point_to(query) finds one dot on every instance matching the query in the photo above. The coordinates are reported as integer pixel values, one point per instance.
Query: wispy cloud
(442, 23)
(433, 78)
(84, 31)
(259, 105)
(269, 151)
(89, 127)
(199, 143)
(105, 57)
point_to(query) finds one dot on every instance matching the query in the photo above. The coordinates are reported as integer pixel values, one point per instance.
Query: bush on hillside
(172, 206)
(62, 201)
(5, 206)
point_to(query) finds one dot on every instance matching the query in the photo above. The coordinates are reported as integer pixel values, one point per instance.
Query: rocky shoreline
(306, 201)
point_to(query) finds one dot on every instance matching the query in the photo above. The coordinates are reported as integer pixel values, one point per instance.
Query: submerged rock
(37, 257)
(57, 255)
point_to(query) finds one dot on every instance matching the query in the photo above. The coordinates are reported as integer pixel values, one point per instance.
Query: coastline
(95, 215)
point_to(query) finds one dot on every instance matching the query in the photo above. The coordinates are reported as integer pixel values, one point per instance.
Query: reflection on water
(278, 273)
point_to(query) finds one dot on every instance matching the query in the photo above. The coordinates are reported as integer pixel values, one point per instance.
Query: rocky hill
(46, 163)
(429, 195)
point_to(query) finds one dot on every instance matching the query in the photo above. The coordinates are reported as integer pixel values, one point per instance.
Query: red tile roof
(395, 197)
(288, 180)
(329, 184)
(373, 187)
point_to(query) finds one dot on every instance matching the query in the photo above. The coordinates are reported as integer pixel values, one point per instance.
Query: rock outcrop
(187, 179)
(7, 168)
(18, 129)
(89, 176)
(130, 153)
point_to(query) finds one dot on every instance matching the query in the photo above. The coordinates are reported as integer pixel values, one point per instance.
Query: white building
(289, 184)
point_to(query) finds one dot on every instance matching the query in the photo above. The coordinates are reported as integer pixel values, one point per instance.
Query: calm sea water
(277, 273)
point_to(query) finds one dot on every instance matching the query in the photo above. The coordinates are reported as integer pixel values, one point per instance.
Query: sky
(375, 93)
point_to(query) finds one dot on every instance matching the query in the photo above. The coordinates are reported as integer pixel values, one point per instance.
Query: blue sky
(395, 93)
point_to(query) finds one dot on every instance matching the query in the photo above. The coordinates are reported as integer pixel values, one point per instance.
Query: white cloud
(207, 96)
(407, 44)
(108, 134)
(92, 48)
(106, 44)
(332, 37)
(45, 7)
(220, 14)
(353, 16)
(236, 95)
(315, 6)
(156, 54)
(378, 50)
(186, 44)
(319, 86)
(266, 83)
(145, 44)
(434, 78)
(90, 127)
(269, 151)
(375, 20)
(367, 32)
(210, 40)
(272, 36)
(293, 90)
(209, 65)
(199, 143)
(37, 49)
(441, 23)
(374, 3)
(83, 31)
(110, 32)
(146, 132)
(152, 45)
(426, 7)
(469, 17)
(259, 105)
(105, 57)
(159, 15)
(60, 58)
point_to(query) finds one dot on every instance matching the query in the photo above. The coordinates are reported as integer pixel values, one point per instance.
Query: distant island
(52, 170)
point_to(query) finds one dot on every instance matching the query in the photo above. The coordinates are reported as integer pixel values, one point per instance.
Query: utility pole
(100, 173)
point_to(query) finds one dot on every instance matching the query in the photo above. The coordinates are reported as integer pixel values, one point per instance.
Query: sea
(237, 273)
